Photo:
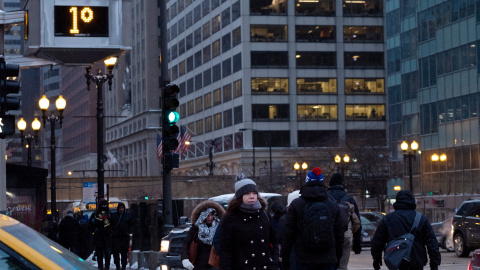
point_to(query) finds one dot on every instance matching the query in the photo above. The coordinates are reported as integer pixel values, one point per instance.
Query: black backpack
(344, 209)
(317, 227)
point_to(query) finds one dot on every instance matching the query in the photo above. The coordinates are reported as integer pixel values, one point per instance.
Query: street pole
(53, 178)
(410, 157)
(210, 156)
(270, 145)
(100, 169)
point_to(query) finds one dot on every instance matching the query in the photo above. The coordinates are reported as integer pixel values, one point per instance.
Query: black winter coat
(400, 222)
(292, 237)
(247, 241)
(122, 225)
(203, 251)
(68, 232)
(101, 225)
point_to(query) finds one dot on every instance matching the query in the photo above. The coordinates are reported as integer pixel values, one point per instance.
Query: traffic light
(8, 86)
(170, 129)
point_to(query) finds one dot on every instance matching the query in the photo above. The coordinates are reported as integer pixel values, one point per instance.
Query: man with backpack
(353, 232)
(399, 223)
(313, 228)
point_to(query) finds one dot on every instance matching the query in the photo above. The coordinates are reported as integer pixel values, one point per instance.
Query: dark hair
(234, 203)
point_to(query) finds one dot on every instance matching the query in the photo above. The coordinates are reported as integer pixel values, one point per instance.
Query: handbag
(214, 259)
(192, 252)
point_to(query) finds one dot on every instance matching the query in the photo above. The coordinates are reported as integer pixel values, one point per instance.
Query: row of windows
(315, 33)
(310, 86)
(218, 121)
(204, 55)
(276, 59)
(443, 111)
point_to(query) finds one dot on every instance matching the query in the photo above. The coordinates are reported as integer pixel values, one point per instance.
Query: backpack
(399, 249)
(317, 227)
(344, 209)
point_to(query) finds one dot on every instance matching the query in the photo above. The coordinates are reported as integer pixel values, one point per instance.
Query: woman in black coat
(205, 219)
(247, 235)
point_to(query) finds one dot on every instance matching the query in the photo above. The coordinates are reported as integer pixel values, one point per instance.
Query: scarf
(251, 208)
(205, 232)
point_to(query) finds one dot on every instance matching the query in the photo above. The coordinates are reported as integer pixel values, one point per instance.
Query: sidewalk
(137, 260)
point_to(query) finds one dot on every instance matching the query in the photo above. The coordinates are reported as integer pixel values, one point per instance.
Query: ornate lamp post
(338, 161)
(99, 79)
(409, 153)
(296, 166)
(22, 125)
(53, 119)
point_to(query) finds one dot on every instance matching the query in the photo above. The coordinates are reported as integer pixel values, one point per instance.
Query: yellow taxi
(23, 248)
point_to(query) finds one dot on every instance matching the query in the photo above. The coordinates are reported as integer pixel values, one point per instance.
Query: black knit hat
(336, 179)
(245, 186)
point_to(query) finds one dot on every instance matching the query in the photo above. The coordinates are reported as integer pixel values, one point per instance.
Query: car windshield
(56, 253)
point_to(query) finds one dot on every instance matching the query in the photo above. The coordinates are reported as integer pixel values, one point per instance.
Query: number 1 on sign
(86, 15)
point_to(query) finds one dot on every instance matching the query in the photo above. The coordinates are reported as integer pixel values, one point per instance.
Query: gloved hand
(377, 264)
(357, 248)
(433, 266)
(187, 264)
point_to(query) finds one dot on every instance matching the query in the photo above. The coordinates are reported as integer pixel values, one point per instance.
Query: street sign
(90, 192)
(7, 125)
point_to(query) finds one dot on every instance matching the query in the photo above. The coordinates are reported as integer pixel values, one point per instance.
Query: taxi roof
(7, 221)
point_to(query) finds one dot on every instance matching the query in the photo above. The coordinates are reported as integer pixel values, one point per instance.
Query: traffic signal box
(170, 129)
(7, 102)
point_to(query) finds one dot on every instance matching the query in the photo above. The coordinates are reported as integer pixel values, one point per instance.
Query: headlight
(164, 267)
(164, 245)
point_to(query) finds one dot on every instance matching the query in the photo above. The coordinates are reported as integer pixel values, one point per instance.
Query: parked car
(443, 232)
(466, 228)
(373, 217)
(474, 264)
(368, 230)
(24, 248)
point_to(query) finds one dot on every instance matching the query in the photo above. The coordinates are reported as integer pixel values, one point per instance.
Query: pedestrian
(353, 232)
(84, 239)
(247, 235)
(281, 228)
(68, 232)
(277, 210)
(50, 228)
(205, 219)
(102, 238)
(399, 223)
(313, 227)
(122, 225)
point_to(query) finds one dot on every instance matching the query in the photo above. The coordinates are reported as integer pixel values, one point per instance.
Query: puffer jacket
(399, 223)
(247, 241)
(292, 237)
(203, 249)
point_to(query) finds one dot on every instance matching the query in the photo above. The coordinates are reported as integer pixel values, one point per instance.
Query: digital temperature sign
(81, 21)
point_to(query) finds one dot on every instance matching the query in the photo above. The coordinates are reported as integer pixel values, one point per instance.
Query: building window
(198, 59)
(268, 8)
(197, 36)
(268, 33)
(237, 88)
(315, 8)
(270, 112)
(197, 13)
(217, 75)
(208, 124)
(207, 77)
(226, 17)
(363, 8)
(269, 59)
(318, 138)
(309, 112)
(191, 127)
(227, 92)
(227, 118)
(364, 86)
(198, 82)
(269, 86)
(216, 48)
(206, 30)
(190, 86)
(237, 62)
(316, 59)
(236, 10)
(205, 7)
(363, 112)
(226, 67)
(215, 24)
(363, 59)
(189, 41)
(181, 68)
(199, 127)
(363, 33)
(226, 43)
(183, 111)
(207, 54)
(238, 115)
(313, 86)
(314, 33)
(181, 47)
(198, 105)
(190, 108)
(237, 36)
(217, 121)
(217, 97)
(208, 100)
(273, 138)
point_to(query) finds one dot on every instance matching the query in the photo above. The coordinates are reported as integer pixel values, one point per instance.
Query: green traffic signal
(173, 117)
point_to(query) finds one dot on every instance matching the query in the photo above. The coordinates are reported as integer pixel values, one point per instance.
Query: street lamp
(22, 125)
(53, 119)
(296, 166)
(409, 153)
(338, 161)
(99, 79)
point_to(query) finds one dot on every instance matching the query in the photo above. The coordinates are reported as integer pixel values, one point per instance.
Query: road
(363, 261)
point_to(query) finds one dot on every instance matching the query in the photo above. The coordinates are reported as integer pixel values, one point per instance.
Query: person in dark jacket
(337, 191)
(50, 228)
(308, 259)
(68, 232)
(122, 224)
(281, 228)
(205, 219)
(247, 235)
(84, 239)
(102, 239)
(399, 223)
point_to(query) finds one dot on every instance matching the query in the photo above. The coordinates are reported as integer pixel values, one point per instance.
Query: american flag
(159, 148)
(179, 139)
(186, 137)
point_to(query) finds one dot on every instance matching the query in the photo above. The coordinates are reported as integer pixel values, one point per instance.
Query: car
(24, 248)
(373, 217)
(466, 228)
(474, 264)
(443, 232)
(368, 230)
